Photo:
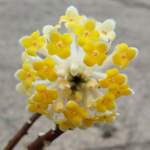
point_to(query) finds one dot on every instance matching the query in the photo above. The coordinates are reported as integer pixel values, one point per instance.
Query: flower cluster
(67, 86)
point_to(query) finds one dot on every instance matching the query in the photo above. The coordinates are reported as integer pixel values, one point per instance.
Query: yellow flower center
(71, 20)
(46, 69)
(104, 32)
(46, 95)
(35, 43)
(26, 88)
(74, 112)
(111, 80)
(104, 101)
(86, 34)
(29, 74)
(123, 56)
(60, 45)
(37, 106)
(119, 92)
(95, 53)
(104, 117)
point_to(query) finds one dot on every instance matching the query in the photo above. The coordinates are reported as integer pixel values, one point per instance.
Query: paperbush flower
(71, 86)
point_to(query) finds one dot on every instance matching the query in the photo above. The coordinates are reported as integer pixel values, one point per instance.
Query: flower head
(107, 30)
(67, 86)
(59, 44)
(86, 33)
(72, 18)
(123, 55)
(33, 43)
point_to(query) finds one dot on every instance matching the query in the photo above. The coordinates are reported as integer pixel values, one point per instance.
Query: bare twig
(22, 132)
(45, 140)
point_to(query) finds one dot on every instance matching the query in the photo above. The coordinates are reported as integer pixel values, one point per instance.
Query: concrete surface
(131, 130)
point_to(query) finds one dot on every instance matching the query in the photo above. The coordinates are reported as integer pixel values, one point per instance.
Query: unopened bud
(86, 73)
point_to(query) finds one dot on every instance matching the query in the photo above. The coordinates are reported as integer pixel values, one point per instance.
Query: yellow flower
(113, 76)
(74, 113)
(66, 124)
(105, 103)
(95, 54)
(123, 56)
(59, 44)
(45, 69)
(88, 121)
(45, 96)
(86, 33)
(119, 91)
(33, 43)
(27, 75)
(106, 29)
(34, 107)
(108, 117)
(72, 18)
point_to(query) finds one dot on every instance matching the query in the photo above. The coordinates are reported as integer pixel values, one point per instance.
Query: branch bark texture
(45, 140)
(22, 132)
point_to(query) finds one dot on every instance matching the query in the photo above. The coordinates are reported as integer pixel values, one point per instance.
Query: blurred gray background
(131, 130)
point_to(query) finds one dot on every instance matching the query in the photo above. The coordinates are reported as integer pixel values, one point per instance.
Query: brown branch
(22, 132)
(45, 140)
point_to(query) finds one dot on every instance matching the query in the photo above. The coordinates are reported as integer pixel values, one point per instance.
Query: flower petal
(64, 52)
(112, 73)
(41, 88)
(89, 60)
(72, 12)
(55, 37)
(120, 79)
(32, 108)
(52, 48)
(49, 62)
(63, 19)
(117, 60)
(35, 35)
(100, 59)
(27, 42)
(71, 105)
(53, 94)
(39, 65)
(131, 53)
(79, 30)
(76, 119)
(104, 83)
(66, 39)
(52, 75)
(89, 25)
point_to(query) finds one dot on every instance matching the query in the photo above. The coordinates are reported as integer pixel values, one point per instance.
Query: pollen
(86, 34)
(29, 74)
(26, 88)
(111, 80)
(38, 106)
(46, 95)
(46, 69)
(74, 112)
(104, 117)
(123, 56)
(35, 43)
(104, 101)
(71, 20)
(95, 53)
(119, 92)
(104, 32)
(60, 45)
